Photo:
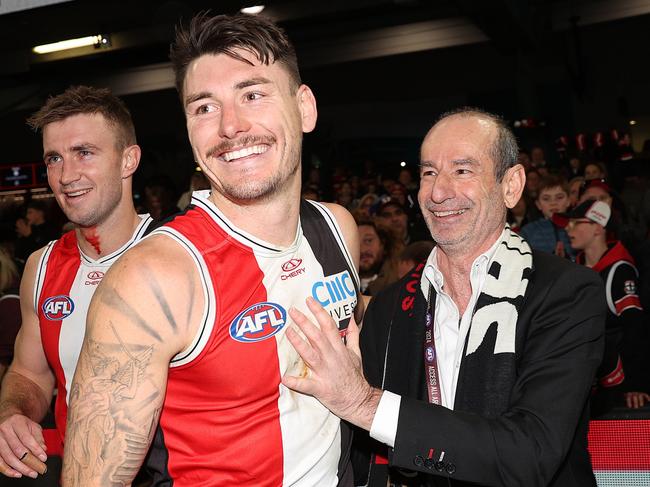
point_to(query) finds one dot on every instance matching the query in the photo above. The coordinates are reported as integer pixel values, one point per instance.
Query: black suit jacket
(540, 437)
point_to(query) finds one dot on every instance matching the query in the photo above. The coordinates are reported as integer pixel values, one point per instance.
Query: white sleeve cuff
(384, 424)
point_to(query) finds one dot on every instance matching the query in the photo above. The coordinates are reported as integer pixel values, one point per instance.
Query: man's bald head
(503, 150)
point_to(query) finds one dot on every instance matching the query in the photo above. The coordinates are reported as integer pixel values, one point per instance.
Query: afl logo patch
(291, 265)
(258, 322)
(57, 308)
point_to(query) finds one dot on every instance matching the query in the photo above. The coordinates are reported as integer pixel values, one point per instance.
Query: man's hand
(636, 400)
(334, 371)
(18, 436)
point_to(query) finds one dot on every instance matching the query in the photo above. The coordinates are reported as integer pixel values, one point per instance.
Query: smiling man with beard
(197, 314)
(477, 366)
(378, 263)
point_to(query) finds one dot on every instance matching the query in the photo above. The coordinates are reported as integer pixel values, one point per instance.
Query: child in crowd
(543, 234)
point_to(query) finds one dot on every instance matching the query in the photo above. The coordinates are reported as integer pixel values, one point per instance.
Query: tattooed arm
(141, 315)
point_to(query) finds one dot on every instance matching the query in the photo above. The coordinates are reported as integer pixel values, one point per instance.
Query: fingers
(16, 439)
(8, 471)
(33, 440)
(325, 321)
(352, 337)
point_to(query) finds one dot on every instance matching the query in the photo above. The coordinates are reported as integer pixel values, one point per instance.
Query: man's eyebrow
(465, 161)
(260, 80)
(83, 146)
(196, 97)
(74, 148)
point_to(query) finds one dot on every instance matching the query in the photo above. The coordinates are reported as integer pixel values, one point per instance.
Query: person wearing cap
(624, 366)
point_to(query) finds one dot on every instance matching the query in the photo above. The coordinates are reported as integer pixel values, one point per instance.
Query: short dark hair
(504, 150)
(78, 100)
(223, 34)
(552, 181)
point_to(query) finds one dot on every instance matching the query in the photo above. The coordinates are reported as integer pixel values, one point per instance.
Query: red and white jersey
(66, 280)
(227, 419)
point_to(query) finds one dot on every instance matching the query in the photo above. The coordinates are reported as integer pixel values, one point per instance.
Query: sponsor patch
(629, 287)
(57, 308)
(291, 265)
(258, 322)
(93, 278)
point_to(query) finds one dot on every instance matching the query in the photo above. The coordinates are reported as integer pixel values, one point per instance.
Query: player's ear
(130, 160)
(307, 107)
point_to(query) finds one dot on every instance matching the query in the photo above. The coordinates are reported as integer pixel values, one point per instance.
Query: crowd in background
(392, 232)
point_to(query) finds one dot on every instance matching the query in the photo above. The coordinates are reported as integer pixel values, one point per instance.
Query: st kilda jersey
(66, 280)
(227, 419)
(624, 329)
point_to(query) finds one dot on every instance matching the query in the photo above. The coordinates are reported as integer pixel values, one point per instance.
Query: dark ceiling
(379, 68)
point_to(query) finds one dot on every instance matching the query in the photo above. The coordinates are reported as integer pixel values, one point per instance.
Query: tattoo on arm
(110, 297)
(115, 405)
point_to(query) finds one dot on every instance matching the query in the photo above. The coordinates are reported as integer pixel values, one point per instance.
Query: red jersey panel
(227, 419)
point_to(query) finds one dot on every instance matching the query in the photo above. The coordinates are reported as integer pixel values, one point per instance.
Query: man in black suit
(480, 361)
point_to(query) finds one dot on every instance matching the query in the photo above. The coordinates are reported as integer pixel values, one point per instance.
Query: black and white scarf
(488, 367)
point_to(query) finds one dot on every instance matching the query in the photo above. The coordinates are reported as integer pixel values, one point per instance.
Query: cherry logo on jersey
(291, 265)
(258, 322)
(57, 308)
(94, 278)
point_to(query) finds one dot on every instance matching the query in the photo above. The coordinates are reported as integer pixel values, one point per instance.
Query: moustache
(246, 140)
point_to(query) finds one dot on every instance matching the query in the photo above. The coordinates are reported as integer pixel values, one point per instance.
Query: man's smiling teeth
(448, 213)
(246, 151)
(78, 193)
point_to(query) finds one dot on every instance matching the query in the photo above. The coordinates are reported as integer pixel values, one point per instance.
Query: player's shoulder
(155, 255)
(343, 217)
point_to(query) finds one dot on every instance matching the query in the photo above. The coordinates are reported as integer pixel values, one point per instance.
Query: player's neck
(107, 237)
(273, 220)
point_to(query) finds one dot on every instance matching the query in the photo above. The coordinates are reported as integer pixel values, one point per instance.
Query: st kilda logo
(58, 308)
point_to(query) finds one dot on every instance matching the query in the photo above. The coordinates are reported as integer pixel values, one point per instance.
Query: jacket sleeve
(526, 445)
(623, 301)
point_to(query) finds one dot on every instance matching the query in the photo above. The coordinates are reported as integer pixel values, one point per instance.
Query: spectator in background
(625, 364)
(34, 231)
(9, 309)
(159, 199)
(393, 215)
(412, 255)
(378, 257)
(595, 170)
(543, 234)
(366, 207)
(537, 157)
(575, 186)
(198, 181)
(532, 183)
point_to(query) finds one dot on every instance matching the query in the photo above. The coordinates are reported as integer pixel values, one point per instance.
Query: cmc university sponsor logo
(94, 277)
(292, 268)
(258, 322)
(337, 294)
(57, 308)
